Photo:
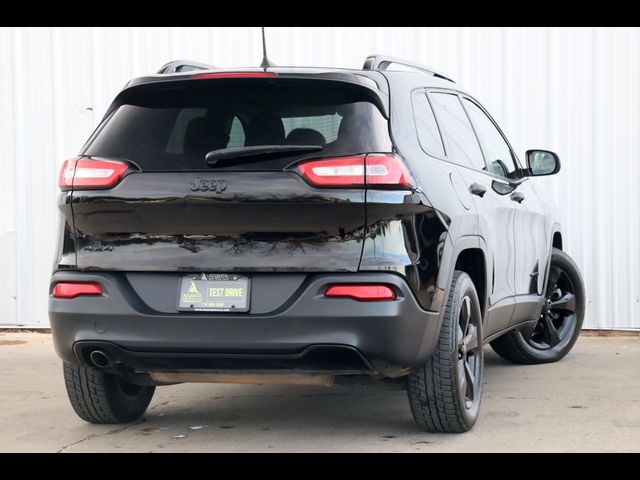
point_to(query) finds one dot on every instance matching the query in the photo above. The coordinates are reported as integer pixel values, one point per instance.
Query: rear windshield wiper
(217, 157)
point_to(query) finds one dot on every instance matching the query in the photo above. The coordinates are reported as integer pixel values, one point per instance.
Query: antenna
(266, 63)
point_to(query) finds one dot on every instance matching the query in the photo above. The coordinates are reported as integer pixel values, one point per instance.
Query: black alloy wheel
(558, 327)
(558, 316)
(469, 354)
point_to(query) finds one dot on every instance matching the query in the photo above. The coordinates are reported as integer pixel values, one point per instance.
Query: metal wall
(572, 90)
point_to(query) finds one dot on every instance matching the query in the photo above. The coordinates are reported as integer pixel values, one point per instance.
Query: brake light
(386, 170)
(362, 293)
(344, 171)
(65, 179)
(90, 173)
(236, 75)
(73, 290)
(380, 170)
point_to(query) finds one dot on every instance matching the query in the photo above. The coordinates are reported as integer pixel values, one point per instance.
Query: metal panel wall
(573, 90)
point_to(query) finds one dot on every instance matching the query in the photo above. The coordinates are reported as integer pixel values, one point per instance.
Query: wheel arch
(465, 252)
(556, 242)
(473, 263)
(469, 254)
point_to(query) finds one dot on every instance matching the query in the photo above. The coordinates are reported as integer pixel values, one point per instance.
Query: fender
(450, 254)
(448, 261)
(531, 316)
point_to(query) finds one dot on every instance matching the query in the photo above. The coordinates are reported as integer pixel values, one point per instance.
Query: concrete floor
(588, 402)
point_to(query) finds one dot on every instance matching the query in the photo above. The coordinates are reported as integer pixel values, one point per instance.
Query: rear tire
(99, 397)
(445, 392)
(560, 322)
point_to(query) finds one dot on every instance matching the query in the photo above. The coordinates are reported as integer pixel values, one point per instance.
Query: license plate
(214, 292)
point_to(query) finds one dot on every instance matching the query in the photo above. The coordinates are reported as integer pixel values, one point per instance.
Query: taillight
(363, 293)
(375, 169)
(73, 290)
(90, 173)
(65, 179)
(236, 75)
(343, 171)
(386, 170)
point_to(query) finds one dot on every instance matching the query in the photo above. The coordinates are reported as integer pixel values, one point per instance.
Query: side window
(461, 139)
(236, 135)
(325, 125)
(428, 132)
(499, 158)
(176, 139)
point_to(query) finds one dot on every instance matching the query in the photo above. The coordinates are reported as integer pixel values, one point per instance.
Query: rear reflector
(90, 173)
(380, 170)
(363, 293)
(236, 75)
(73, 290)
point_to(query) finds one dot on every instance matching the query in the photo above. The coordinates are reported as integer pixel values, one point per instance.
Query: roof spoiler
(372, 62)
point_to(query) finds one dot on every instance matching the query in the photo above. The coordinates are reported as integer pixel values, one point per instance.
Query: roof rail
(382, 62)
(177, 66)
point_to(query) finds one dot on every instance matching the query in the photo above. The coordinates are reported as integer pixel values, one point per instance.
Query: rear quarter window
(426, 126)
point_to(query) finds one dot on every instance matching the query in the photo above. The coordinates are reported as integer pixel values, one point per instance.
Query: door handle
(478, 189)
(517, 197)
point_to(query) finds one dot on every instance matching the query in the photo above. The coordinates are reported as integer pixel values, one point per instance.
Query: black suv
(307, 226)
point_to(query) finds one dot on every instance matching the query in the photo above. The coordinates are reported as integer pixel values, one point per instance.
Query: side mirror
(542, 162)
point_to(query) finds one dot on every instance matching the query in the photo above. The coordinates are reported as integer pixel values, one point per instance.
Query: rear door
(496, 212)
(530, 233)
(174, 211)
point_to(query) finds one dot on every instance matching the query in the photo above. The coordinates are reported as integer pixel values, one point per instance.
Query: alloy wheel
(469, 354)
(557, 319)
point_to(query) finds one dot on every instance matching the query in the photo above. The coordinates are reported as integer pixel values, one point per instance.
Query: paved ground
(588, 402)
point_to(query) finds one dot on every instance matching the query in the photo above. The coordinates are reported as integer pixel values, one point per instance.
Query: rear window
(173, 129)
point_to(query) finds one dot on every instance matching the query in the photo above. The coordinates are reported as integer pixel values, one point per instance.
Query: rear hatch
(168, 204)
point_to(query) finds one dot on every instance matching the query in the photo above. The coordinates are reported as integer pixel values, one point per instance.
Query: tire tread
(94, 399)
(432, 394)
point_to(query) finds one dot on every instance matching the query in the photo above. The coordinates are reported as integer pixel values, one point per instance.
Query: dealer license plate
(214, 292)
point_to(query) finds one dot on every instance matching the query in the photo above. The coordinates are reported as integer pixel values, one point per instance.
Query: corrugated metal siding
(573, 90)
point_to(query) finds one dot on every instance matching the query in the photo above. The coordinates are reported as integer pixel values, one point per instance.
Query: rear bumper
(310, 332)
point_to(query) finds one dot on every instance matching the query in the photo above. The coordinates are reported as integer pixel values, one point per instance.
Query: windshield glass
(173, 129)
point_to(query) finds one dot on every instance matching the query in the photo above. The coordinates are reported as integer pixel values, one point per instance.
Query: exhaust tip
(99, 359)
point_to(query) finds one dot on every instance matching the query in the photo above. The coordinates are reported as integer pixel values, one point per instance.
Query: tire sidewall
(126, 407)
(465, 287)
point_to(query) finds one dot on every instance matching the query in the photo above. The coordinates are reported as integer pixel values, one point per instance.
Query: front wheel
(558, 328)
(444, 393)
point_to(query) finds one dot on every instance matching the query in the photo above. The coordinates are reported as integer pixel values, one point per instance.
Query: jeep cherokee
(309, 226)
